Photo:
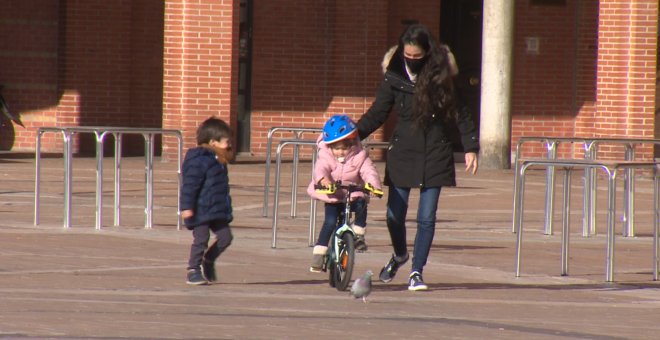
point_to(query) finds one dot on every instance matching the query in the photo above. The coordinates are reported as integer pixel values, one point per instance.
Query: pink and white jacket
(357, 168)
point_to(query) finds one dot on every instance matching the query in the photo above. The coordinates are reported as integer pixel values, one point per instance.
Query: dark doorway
(461, 29)
(244, 77)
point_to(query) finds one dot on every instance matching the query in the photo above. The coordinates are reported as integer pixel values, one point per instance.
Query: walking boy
(205, 201)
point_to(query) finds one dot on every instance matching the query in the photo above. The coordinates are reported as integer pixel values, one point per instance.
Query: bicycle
(340, 259)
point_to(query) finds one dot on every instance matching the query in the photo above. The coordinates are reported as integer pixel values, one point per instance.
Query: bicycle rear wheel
(341, 272)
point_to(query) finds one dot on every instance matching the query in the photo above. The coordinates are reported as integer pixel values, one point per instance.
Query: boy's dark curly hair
(212, 129)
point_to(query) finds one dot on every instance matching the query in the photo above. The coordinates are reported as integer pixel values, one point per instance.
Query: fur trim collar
(223, 156)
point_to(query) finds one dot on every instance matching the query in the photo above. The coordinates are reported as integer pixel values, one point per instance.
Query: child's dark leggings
(333, 211)
(199, 250)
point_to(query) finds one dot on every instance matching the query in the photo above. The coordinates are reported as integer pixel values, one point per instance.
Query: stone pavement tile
(129, 282)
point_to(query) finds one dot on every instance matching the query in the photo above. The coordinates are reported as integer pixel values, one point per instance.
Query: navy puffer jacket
(205, 188)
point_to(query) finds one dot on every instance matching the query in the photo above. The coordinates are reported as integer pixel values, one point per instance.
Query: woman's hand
(471, 162)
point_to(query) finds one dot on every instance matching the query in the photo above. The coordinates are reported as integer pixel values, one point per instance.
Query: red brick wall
(29, 35)
(95, 69)
(200, 58)
(172, 64)
(146, 68)
(312, 59)
(626, 81)
(594, 74)
(543, 101)
(88, 62)
(586, 68)
(425, 12)
(291, 50)
(657, 99)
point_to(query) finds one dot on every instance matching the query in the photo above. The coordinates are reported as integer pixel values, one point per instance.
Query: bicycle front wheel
(344, 269)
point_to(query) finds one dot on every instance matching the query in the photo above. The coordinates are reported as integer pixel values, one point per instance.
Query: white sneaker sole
(416, 288)
(198, 283)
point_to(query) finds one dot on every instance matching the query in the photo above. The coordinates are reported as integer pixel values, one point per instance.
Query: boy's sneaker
(208, 270)
(360, 243)
(416, 282)
(388, 272)
(196, 278)
(317, 263)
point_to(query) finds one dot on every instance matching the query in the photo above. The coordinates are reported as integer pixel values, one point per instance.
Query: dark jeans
(199, 250)
(397, 208)
(335, 211)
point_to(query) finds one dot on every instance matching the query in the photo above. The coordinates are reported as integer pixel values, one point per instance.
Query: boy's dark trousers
(199, 250)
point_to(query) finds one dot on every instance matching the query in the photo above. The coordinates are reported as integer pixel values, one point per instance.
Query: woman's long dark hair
(434, 94)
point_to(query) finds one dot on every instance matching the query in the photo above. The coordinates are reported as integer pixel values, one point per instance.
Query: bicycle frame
(341, 255)
(346, 227)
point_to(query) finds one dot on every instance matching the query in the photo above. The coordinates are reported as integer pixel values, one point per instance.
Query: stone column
(496, 75)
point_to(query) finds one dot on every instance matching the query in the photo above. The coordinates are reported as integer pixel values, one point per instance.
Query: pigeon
(362, 286)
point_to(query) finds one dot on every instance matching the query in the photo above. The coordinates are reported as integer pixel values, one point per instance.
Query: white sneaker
(416, 282)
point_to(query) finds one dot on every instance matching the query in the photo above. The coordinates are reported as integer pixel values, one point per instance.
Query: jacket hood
(395, 64)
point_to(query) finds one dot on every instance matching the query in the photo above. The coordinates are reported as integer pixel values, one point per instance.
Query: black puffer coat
(415, 158)
(205, 188)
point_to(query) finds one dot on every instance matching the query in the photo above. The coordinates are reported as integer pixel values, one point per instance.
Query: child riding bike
(341, 158)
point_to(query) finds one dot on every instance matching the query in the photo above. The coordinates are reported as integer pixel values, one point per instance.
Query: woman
(418, 84)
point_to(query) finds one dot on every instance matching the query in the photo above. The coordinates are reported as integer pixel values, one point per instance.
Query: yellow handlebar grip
(329, 190)
(373, 190)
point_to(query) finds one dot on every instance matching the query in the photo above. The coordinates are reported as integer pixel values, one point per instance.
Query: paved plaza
(129, 282)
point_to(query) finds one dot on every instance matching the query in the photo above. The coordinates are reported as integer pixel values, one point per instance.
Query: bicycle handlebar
(368, 188)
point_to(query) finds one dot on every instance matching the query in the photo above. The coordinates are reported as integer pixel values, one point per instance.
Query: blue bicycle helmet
(338, 127)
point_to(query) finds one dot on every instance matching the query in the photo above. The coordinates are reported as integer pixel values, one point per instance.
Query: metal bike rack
(551, 146)
(610, 168)
(312, 224)
(100, 133)
(296, 143)
(298, 131)
(590, 146)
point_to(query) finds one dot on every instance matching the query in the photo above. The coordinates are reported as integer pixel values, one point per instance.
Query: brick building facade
(581, 68)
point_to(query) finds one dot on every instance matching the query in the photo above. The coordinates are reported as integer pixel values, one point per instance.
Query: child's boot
(360, 242)
(318, 258)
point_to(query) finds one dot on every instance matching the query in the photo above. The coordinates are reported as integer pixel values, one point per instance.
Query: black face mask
(415, 65)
